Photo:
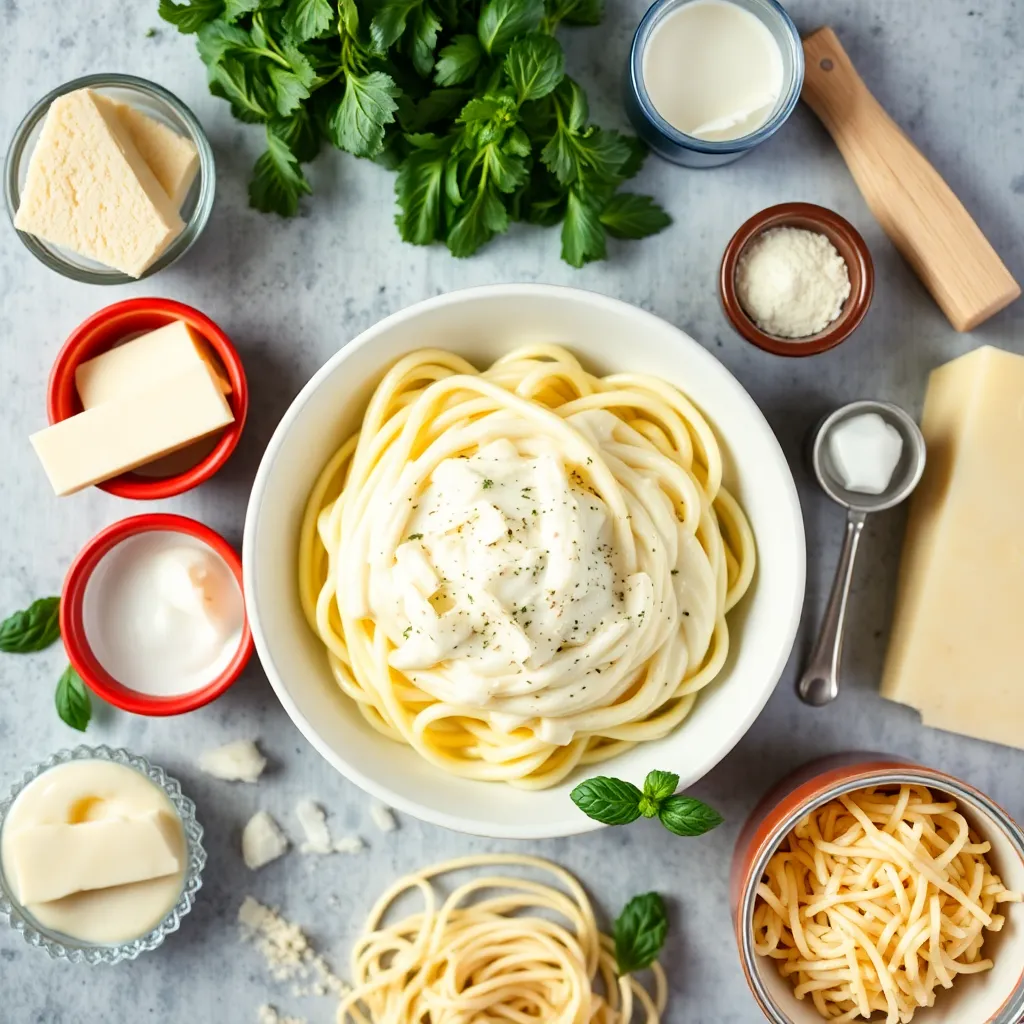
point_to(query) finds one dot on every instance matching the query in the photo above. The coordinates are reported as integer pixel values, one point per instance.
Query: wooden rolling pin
(916, 208)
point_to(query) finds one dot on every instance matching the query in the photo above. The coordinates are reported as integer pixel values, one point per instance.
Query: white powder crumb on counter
(383, 817)
(240, 761)
(314, 824)
(269, 1015)
(262, 841)
(349, 844)
(792, 282)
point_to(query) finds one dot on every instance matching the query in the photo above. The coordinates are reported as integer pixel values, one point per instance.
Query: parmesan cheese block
(89, 190)
(955, 650)
(172, 158)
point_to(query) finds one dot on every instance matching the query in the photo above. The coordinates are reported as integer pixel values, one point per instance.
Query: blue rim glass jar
(677, 146)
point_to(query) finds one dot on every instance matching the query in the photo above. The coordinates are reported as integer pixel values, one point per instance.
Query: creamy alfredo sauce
(509, 592)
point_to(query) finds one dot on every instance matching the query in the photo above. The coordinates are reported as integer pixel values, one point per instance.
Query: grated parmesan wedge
(383, 817)
(240, 761)
(262, 841)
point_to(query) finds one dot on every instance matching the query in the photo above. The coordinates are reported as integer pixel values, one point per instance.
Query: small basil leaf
(687, 816)
(660, 785)
(640, 932)
(72, 699)
(610, 801)
(33, 629)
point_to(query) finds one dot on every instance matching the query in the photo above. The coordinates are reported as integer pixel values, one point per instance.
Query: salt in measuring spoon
(819, 683)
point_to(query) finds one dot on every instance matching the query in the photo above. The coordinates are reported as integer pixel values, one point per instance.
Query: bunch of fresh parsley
(468, 100)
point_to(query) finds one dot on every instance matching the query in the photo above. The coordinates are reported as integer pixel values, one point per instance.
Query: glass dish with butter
(144, 158)
(100, 855)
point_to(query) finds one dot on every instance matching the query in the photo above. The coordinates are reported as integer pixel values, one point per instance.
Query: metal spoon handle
(819, 683)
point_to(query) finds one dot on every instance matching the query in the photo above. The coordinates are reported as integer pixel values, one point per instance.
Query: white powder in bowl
(791, 282)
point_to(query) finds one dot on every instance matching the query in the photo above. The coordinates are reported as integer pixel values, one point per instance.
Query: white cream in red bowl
(491, 346)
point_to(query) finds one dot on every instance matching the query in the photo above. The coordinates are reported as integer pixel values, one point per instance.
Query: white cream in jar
(713, 70)
(163, 613)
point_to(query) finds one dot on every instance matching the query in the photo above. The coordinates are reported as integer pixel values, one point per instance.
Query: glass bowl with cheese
(101, 855)
(109, 179)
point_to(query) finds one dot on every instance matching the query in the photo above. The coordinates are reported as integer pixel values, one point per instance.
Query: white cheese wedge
(240, 761)
(954, 653)
(314, 825)
(145, 362)
(173, 159)
(115, 437)
(89, 190)
(53, 861)
(383, 817)
(262, 841)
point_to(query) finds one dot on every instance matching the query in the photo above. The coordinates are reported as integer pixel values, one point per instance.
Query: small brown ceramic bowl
(848, 242)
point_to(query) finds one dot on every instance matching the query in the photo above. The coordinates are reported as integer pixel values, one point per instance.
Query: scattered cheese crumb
(240, 761)
(314, 823)
(349, 844)
(383, 817)
(287, 951)
(262, 841)
(269, 1015)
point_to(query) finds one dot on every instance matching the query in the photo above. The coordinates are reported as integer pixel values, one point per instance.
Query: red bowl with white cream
(127, 319)
(112, 576)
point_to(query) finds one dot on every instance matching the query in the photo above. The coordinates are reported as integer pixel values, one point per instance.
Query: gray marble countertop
(290, 294)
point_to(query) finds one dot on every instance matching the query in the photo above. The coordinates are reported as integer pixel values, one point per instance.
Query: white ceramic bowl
(482, 324)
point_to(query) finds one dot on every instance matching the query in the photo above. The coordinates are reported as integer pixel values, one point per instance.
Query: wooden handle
(916, 208)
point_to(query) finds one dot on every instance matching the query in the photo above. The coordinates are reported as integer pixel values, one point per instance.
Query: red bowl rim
(130, 485)
(72, 627)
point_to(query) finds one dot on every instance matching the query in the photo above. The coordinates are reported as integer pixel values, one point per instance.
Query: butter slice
(955, 648)
(89, 190)
(173, 159)
(54, 861)
(145, 362)
(117, 436)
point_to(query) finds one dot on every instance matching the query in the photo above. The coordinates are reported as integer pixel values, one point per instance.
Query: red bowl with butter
(102, 587)
(181, 471)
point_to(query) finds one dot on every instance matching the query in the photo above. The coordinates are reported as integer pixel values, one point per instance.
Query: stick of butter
(145, 362)
(54, 861)
(117, 436)
(954, 653)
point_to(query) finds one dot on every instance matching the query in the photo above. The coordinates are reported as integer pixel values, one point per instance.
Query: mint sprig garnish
(617, 802)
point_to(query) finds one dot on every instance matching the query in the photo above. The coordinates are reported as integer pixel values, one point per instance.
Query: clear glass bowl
(63, 947)
(156, 102)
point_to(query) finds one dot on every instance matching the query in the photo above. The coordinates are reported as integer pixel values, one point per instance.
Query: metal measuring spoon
(819, 683)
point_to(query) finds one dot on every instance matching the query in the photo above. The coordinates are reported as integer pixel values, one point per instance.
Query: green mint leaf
(418, 189)
(235, 9)
(687, 816)
(72, 699)
(660, 785)
(289, 92)
(582, 233)
(627, 215)
(458, 61)
(33, 629)
(608, 800)
(357, 121)
(576, 12)
(535, 65)
(423, 40)
(639, 932)
(277, 181)
(389, 22)
(191, 16)
(478, 222)
(300, 133)
(648, 807)
(307, 19)
(501, 22)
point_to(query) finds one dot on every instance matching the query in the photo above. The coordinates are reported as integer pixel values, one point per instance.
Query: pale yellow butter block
(89, 190)
(955, 648)
(54, 861)
(172, 158)
(117, 436)
(145, 362)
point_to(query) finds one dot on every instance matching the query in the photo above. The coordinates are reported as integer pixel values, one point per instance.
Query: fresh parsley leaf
(278, 182)
(660, 785)
(33, 629)
(235, 9)
(610, 801)
(289, 91)
(357, 121)
(505, 169)
(218, 38)
(191, 16)
(502, 21)
(582, 234)
(535, 65)
(389, 22)
(687, 816)
(576, 12)
(422, 40)
(478, 222)
(437, 105)
(639, 932)
(72, 699)
(458, 61)
(418, 188)
(307, 19)
(637, 155)
(628, 215)
(238, 80)
(300, 133)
